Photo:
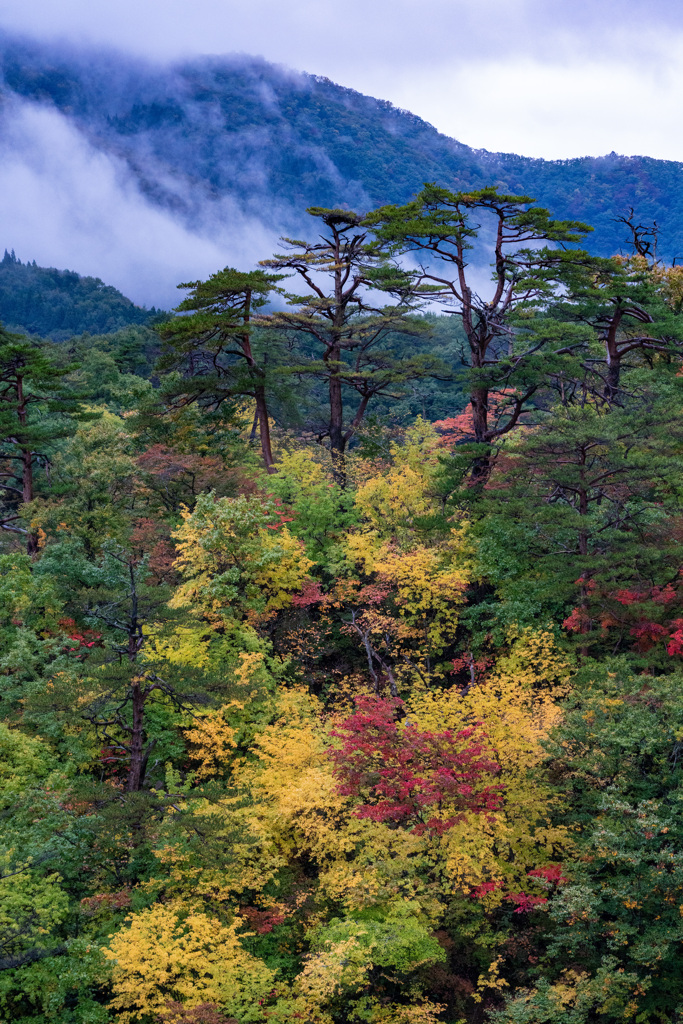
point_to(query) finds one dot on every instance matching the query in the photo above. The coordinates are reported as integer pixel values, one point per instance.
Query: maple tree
(410, 776)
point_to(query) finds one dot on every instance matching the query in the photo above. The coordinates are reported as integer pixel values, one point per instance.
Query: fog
(66, 204)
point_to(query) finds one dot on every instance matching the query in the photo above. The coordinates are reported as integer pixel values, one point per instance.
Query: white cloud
(567, 109)
(65, 204)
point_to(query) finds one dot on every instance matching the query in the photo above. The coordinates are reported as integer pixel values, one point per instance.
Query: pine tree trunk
(336, 428)
(259, 390)
(26, 467)
(135, 771)
(612, 382)
(481, 464)
(264, 427)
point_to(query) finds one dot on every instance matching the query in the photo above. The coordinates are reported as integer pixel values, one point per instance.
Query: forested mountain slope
(211, 130)
(60, 303)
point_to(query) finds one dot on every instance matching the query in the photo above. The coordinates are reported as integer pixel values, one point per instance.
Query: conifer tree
(37, 408)
(343, 272)
(211, 347)
(442, 226)
(624, 301)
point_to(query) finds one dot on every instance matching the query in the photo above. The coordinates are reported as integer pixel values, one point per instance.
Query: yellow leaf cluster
(163, 954)
(291, 781)
(235, 567)
(213, 742)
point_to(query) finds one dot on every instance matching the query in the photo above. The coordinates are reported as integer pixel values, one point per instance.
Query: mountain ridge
(59, 304)
(208, 136)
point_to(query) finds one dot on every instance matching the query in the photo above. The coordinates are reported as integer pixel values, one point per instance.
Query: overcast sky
(552, 78)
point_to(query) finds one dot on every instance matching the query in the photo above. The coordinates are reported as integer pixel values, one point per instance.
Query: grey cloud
(470, 67)
(319, 36)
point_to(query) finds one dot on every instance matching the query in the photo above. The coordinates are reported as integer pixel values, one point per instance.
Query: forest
(342, 622)
(58, 304)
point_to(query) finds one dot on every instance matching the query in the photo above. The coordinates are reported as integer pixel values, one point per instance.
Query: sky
(550, 78)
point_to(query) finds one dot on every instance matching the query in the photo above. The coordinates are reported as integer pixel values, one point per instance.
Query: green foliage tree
(211, 348)
(343, 272)
(37, 409)
(529, 259)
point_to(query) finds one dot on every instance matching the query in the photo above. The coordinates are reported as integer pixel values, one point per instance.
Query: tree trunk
(336, 427)
(136, 769)
(259, 390)
(583, 552)
(27, 495)
(26, 467)
(481, 464)
(612, 383)
(613, 358)
(264, 426)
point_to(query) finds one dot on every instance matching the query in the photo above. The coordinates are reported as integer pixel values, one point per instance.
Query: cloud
(570, 108)
(65, 204)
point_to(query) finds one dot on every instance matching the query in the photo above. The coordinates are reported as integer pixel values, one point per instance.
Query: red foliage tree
(403, 774)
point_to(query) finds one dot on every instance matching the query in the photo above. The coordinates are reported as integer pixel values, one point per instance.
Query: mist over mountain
(145, 174)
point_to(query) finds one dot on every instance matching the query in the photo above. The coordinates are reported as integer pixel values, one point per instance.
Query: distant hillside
(237, 130)
(58, 304)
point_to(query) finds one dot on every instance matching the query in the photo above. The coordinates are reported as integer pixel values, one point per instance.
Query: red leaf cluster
(262, 921)
(525, 903)
(311, 593)
(647, 634)
(82, 638)
(675, 645)
(551, 873)
(106, 901)
(283, 515)
(402, 773)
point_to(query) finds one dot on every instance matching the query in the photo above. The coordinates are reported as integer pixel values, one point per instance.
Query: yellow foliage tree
(238, 560)
(170, 954)
(426, 580)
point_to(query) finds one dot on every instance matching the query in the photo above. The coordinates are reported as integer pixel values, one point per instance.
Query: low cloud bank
(68, 205)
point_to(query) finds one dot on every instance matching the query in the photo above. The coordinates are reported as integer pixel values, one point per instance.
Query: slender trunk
(336, 427)
(583, 552)
(26, 466)
(27, 495)
(611, 391)
(264, 427)
(135, 771)
(481, 464)
(137, 736)
(612, 383)
(259, 390)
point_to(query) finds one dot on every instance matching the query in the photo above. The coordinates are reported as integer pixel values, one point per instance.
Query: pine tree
(441, 227)
(211, 348)
(344, 271)
(37, 408)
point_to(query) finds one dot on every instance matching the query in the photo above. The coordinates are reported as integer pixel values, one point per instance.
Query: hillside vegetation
(58, 304)
(340, 641)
